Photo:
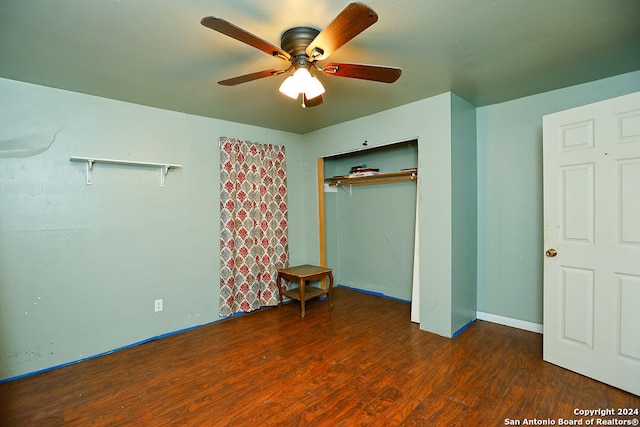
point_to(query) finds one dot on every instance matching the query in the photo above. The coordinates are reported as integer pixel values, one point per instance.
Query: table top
(304, 270)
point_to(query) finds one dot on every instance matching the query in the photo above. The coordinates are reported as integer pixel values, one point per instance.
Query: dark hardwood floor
(361, 363)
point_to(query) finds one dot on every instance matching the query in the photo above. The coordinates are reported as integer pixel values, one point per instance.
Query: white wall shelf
(164, 167)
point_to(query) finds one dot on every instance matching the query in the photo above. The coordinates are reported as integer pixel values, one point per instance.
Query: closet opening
(367, 215)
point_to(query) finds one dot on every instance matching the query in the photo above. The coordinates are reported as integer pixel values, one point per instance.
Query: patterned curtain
(253, 224)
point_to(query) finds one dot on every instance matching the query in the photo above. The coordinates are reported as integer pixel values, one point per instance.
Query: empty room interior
(165, 198)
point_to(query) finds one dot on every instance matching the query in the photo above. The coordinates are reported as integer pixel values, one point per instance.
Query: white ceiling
(156, 53)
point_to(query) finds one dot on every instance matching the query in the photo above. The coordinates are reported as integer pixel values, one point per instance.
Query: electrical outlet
(158, 305)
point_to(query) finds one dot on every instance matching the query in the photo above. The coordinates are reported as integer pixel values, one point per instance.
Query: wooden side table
(303, 274)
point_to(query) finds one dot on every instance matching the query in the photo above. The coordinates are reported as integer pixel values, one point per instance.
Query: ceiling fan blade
(376, 73)
(239, 34)
(313, 102)
(250, 77)
(354, 19)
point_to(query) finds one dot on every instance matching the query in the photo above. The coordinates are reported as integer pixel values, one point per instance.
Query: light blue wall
(510, 232)
(81, 265)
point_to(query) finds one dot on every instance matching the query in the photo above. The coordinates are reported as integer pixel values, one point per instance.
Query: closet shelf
(164, 167)
(382, 178)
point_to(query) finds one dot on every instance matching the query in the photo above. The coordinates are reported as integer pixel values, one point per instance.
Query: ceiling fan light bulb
(299, 80)
(302, 75)
(290, 88)
(313, 88)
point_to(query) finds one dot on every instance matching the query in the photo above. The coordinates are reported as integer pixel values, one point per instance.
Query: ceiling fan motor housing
(295, 40)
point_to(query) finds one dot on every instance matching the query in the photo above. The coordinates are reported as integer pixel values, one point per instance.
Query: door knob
(551, 253)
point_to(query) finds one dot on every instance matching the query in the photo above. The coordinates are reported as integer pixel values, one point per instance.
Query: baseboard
(508, 321)
(364, 291)
(459, 331)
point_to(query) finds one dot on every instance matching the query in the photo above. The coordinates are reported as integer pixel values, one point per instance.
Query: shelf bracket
(344, 188)
(163, 175)
(89, 170)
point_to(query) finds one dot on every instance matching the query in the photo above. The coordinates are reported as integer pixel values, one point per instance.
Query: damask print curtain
(253, 224)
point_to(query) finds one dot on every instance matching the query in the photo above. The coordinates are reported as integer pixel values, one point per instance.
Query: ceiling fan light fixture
(302, 82)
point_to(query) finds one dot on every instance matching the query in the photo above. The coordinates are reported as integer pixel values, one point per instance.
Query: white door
(591, 177)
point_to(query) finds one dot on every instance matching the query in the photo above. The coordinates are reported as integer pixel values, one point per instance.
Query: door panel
(629, 315)
(577, 209)
(629, 201)
(577, 305)
(592, 220)
(576, 136)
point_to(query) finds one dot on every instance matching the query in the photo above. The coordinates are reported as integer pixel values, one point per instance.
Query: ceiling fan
(303, 47)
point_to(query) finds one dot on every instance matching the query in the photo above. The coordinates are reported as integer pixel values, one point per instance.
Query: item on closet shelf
(363, 173)
(362, 170)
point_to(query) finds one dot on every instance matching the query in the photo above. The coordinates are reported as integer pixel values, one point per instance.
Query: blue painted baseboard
(378, 294)
(459, 331)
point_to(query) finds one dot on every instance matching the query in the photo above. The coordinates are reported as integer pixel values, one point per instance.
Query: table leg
(302, 283)
(278, 282)
(330, 288)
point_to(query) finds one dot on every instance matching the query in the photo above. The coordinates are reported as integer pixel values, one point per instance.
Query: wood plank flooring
(360, 363)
